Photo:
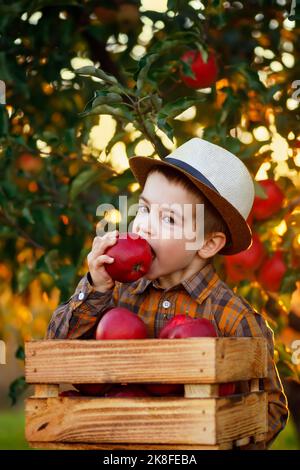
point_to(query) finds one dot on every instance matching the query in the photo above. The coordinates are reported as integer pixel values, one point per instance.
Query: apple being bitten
(132, 258)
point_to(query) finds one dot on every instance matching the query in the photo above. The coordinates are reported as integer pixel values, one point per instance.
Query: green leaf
(144, 66)
(27, 214)
(166, 128)
(20, 353)
(83, 181)
(232, 144)
(259, 190)
(98, 73)
(118, 112)
(289, 281)
(107, 98)
(156, 102)
(203, 52)
(186, 69)
(171, 110)
(24, 278)
(17, 388)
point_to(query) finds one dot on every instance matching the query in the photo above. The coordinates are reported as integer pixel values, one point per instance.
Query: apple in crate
(183, 326)
(117, 323)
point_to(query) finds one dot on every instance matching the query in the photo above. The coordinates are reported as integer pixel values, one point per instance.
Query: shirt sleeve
(79, 316)
(253, 324)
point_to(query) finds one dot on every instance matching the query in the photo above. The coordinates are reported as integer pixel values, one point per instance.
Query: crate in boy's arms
(198, 420)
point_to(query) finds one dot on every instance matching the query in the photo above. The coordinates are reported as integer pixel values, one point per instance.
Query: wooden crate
(199, 420)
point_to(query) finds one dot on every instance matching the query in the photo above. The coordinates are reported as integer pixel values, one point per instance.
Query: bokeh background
(66, 137)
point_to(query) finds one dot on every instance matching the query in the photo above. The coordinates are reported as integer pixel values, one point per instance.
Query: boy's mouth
(153, 253)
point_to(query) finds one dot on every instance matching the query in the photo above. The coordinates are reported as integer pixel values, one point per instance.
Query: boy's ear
(212, 244)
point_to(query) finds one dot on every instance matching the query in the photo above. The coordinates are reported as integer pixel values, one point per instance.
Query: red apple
(127, 391)
(196, 327)
(132, 258)
(264, 208)
(177, 320)
(205, 72)
(272, 271)
(165, 389)
(242, 265)
(30, 163)
(227, 389)
(69, 393)
(93, 390)
(121, 323)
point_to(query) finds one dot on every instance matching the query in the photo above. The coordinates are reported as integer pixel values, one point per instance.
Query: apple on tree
(264, 208)
(244, 264)
(272, 272)
(205, 72)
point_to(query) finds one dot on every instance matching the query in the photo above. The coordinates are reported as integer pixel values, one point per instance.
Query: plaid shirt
(203, 295)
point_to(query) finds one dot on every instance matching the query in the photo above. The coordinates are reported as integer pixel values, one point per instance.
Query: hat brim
(240, 232)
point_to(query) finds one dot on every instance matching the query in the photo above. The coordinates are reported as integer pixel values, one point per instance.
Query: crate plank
(184, 421)
(197, 360)
(253, 423)
(82, 446)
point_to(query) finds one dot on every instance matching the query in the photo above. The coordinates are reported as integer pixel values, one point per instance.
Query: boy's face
(168, 233)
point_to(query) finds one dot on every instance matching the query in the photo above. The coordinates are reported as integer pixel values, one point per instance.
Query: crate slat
(82, 446)
(186, 361)
(185, 421)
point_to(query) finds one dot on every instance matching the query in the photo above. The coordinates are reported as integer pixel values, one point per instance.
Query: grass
(12, 424)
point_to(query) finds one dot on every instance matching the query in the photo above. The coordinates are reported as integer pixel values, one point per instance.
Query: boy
(181, 278)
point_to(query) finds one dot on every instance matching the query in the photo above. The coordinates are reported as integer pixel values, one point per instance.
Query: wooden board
(185, 421)
(186, 361)
(79, 446)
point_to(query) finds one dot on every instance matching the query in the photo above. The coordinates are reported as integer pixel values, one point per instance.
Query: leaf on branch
(143, 69)
(24, 278)
(91, 71)
(20, 354)
(187, 70)
(118, 112)
(259, 190)
(83, 181)
(106, 97)
(166, 128)
(171, 110)
(16, 389)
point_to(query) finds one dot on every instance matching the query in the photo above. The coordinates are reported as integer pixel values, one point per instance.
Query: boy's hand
(96, 259)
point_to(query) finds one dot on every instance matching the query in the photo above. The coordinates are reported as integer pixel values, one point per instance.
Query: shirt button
(166, 304)
(81, 296)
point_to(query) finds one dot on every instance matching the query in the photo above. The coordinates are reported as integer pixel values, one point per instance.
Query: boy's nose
(143, 229)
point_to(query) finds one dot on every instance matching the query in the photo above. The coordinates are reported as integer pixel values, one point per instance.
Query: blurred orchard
(85, 85)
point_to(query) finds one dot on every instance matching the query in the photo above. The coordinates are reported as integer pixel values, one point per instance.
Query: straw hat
(220, 176)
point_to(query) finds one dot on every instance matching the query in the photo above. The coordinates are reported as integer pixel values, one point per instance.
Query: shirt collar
(199, 285)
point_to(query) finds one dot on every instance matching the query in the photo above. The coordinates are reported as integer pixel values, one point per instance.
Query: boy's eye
(171, 220)
(141, 207)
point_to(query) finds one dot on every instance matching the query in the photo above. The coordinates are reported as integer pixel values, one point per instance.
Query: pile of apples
(121, 323)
